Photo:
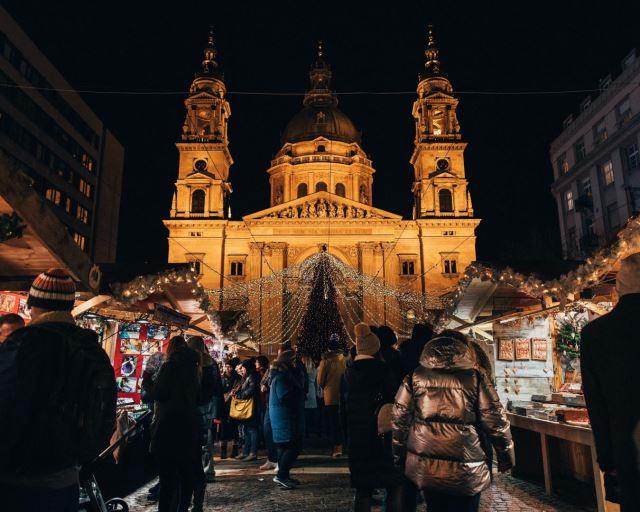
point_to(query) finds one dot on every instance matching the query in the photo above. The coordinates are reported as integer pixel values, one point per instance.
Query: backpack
(79, 414)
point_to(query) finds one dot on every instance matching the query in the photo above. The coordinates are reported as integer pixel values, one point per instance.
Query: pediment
(442, 174)
(322, 205)
(200, 175)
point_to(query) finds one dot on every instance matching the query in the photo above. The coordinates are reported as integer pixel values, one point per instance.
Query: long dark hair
(175, 343)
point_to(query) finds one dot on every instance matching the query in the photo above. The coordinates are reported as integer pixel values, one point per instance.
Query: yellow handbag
(241, 409)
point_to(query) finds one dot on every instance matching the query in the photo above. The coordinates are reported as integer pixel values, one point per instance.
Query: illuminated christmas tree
(322, 320)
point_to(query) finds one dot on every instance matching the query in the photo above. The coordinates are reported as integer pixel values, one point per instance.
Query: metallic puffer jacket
(440, 413)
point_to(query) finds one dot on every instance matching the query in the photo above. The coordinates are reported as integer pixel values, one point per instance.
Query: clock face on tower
(442, 164)
(200, 165)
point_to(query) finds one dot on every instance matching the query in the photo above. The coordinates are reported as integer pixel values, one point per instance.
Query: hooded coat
(286, 404)
(438, 414)
(175, 432)
(371, 384)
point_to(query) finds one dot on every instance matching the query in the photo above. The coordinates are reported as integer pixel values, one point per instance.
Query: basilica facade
(321, 192)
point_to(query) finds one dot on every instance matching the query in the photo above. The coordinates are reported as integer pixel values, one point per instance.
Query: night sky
(545, 46)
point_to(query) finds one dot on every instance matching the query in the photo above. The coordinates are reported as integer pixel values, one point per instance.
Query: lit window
(569, 200)
(84, 187)
(68, 205)
(408, 268)
(53, 195)
(82, 214)
(563, 164)
(450, 266)
(624, 111)
(600, 132)
(633, 156)
(607, 173)
(79, 240)
(237, 268)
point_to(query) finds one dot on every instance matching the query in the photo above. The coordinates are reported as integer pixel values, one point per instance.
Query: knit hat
(367, 343)
(53, 290)
(628, 278)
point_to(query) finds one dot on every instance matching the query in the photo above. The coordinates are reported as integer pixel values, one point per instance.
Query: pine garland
(568, 338)
(11, 227)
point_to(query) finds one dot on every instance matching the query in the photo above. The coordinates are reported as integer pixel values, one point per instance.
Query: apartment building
(596, 162)
(49, 134)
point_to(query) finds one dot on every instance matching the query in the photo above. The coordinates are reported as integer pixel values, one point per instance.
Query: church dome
(320, 120)
(320, 116)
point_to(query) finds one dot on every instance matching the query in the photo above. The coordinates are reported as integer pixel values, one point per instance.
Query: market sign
(166, 315)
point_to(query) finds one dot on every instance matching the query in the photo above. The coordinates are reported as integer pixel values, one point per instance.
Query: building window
(633, 156)
(623, 111)
(450, 266)
(302, 190)
(408, 268)
(563, 164)
(79, 240)
(237, 268)
(195, 233)
(585, 104)
(607, 173)
(196, 266)
(600, 132)
(613, 216)
(446, 200)
(568, 197)
(448, 233)
(572, 241)
(340, 190)
(68, 205)
(84, 187)
(321, 186)
(82, 214)
(579, 150)
(197, 201)
(53, 195)
(321, 149)
(585, 187)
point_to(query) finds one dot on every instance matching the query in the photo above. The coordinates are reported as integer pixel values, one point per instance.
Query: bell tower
(203, 188)
(440, 186)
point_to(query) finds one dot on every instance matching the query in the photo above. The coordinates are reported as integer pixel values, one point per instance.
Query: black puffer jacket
(439, 411)
(175, 433)
(370, 383)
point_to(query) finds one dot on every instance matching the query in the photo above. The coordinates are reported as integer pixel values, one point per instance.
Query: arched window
(302, 190)
(197, 201)
(321, 149)
(446, 200)
(340, 190)
(321, 186)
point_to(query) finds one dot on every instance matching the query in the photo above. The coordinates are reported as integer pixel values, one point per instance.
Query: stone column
(273, 301)
(370, 262)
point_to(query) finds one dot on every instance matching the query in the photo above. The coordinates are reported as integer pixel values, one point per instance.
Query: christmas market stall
(531, 327)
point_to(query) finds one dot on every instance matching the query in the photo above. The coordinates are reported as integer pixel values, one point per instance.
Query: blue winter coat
(286, 404)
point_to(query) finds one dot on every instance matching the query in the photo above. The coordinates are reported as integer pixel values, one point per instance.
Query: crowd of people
(418, 419)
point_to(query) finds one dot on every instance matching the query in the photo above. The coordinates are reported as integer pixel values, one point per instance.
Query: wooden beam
(91, 303)
(173, 301)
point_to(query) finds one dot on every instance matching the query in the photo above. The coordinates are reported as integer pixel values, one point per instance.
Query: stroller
(90, 496)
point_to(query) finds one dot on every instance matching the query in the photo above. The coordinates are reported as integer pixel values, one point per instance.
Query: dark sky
(519, 46)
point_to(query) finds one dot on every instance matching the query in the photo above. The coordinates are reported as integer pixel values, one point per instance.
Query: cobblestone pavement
(325, 487)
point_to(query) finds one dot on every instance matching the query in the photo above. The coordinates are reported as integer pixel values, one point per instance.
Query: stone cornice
(449, 223)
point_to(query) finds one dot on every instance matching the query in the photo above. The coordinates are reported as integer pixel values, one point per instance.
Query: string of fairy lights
(284, 295)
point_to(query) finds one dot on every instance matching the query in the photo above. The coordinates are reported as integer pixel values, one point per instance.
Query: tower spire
(209, 63)
(320, 80)
(432, 54)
